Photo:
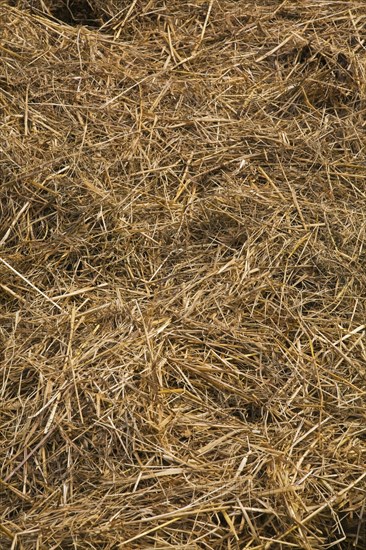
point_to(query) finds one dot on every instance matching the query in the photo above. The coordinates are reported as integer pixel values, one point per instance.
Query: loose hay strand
(30, 283)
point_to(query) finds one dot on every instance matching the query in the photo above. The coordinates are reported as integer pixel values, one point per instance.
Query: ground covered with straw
(182, 274)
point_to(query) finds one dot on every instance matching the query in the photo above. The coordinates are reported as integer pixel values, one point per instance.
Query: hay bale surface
(182, 274)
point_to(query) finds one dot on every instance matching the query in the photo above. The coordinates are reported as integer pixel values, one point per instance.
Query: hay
(183, 289)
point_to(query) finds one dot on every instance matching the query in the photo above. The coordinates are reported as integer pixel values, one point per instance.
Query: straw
(182, 275)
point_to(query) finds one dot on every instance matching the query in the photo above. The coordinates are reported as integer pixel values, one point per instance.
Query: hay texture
(182, 274)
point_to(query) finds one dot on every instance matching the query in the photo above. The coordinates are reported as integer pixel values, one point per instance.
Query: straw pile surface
(182, 262)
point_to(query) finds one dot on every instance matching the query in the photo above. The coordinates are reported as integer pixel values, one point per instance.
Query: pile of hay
(182, 274)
